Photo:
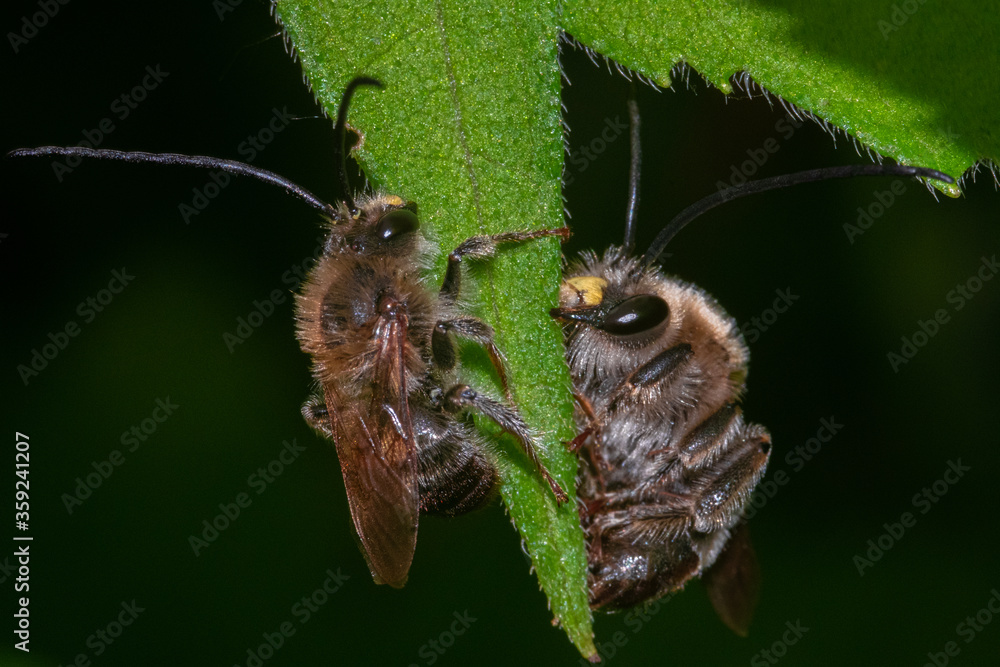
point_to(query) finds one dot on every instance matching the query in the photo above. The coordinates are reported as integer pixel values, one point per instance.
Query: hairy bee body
(346, 313)
(381, 342)
(667, 462)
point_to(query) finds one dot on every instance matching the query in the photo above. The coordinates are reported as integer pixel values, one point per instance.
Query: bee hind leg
(462, 396)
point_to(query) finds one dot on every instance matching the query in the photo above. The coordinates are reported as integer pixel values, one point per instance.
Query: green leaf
(469, 128)
(886, 72)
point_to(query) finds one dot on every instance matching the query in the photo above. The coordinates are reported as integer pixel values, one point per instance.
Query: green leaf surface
(469, 128)
(914, 80)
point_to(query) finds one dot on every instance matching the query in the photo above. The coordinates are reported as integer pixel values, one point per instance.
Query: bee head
(382, 224)
(588, 300)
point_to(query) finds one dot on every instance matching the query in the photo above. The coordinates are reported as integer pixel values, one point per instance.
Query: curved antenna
(765, 184)
(205, 162)
(340, 129)
(634, 168)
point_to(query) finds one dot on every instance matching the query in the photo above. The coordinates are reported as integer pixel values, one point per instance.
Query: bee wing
(733, 581)
(377, 455)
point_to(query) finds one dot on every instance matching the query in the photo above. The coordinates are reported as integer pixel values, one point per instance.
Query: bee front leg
(480, 247)
(662, 369)
(463, 396)
(593, 428)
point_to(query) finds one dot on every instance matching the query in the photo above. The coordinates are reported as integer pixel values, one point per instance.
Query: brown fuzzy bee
(382, 349)
(384, 358)
(667, 461)
(383, 355)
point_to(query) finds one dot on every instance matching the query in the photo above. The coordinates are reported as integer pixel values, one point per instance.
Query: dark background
(162, 337)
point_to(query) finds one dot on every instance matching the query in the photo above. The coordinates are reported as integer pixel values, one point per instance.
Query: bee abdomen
(453, 474)
(629, 574)
(460, 489)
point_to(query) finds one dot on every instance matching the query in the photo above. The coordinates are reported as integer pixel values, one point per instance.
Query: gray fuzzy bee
(667, 462)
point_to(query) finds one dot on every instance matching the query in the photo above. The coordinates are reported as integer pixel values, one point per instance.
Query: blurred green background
(162, 336)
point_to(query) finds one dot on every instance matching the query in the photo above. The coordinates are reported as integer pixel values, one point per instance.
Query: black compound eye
(635, 315)
(396, 223)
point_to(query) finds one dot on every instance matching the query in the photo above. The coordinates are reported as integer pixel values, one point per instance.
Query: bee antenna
(202, 161)
(634, 168)
(340, 129)
(774, 183)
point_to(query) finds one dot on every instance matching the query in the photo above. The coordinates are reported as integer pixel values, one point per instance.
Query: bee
(667, 461)
(383, 350)
(384, 358)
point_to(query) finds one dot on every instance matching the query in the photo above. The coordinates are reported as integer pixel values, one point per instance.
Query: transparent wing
(377, 455)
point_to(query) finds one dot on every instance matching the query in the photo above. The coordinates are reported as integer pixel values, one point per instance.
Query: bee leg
(463, 396)
(476, 247)
(593, 423)
(576, 443)
(660, 368)
(592, 532)
(479, 247)
(711, 438)
(443, 347)
(316, 415)
(724, 487)
(592, 453)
